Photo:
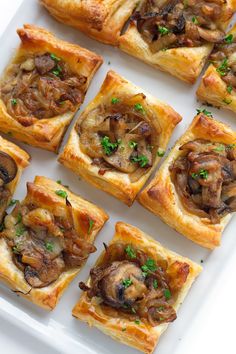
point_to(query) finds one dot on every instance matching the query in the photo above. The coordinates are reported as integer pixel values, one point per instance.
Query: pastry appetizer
(119, 138)
(195, 189)
(43, 87)
(99, 19)
(135, 289)
(12, 162)
(46, 240)
(218, 85)
(177, 36)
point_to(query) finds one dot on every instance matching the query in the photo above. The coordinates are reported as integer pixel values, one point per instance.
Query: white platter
(32, 330)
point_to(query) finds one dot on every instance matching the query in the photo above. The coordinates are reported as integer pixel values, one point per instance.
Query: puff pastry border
(42, 192)
(48, 133)
(142, 337)
(102, 20)
(114, 182)
(160, 196)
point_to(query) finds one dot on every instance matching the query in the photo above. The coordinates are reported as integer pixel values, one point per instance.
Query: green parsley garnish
(142, 160)
(203, 174)
(204, 111)
(194, 175)
(149, 266)
(49, 246)
(20, 230)
(123, 329)
(126, 283)
(15, 250)
(160, 308)
(61, 193)
(137, 322)
(19, 218)
(220, 147)
(54, 57)
(133, 144)
(223, 68)
(108, 146)
(130, 252)
(115, 100)
(91, 223)
(160, 152)
(195, 20)
(14, 101)
(226, 101)
(231, 146)
(163, 30)
(155, 284)
(139, 108)
(13, 202)
(167, 294)
(229, 88)
(57, 71)
(229, 38)
(60, 182)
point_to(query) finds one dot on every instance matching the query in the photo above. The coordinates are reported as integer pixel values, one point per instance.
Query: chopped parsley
(223, 68)
(229, 38)
(220, 147)
(19, 218)
(14, 101)
(57, 71)
(13, 202)
(15, 250)
(20, 230)
(142, 160)
(226, 101)
(126, 283)
(204, 111)
(155, 284)
(231, 146)
(54, 57)
(133, 144)
(163, 30)
(195, 20)
(61, 193)
(130, 252)
(49, 246)
(139, 108)
(115, 100)
(160, 152)
(123, 329)
(137, 322)
(149, 266)
(160, 308)
(60, 182)
(167, 294)
(201, 174)
(229, 88)
(108, 146)
(91, 223)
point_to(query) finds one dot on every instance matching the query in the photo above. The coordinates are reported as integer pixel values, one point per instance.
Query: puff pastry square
(217, 86)
(43, 87)
(45, 201)
(162, 196)
(121, 176)
(180, 43)
(133, 330)
(13, 160)
(99, 19)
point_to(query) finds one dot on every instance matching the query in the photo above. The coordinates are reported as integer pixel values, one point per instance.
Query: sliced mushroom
(8, 168)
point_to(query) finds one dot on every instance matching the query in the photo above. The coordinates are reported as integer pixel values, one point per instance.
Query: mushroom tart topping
(8, 171)
(139, 287)
(223, 58)
(180, 23)
(43, 245)
(39, 87)
(205, 178)
(120, 136)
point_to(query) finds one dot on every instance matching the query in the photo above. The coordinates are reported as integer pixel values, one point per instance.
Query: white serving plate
(204, 320)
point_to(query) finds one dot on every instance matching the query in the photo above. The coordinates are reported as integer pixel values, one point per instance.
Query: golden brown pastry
(195, 189)
(99, 19)
(13, 160)
(43, 87)
(119, 138)
(46, 240)
(177, 36)
(218, 84)
(135, 289)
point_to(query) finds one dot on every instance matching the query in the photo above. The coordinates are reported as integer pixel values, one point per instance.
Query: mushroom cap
(8, 167)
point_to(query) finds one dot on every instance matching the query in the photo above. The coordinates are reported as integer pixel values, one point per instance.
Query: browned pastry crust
(163, 117)
(161, 198)
(140, 336)
(22, 161)
(48, 133)
(42, 193)
(99, 19)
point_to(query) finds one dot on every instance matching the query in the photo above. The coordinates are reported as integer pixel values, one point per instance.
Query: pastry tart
(177, 36)
(99, 19)
(119, 138)
(43, 87)
(135, 289)
(13, 160)
(46, 240)
(195, 189)
(218, 84)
